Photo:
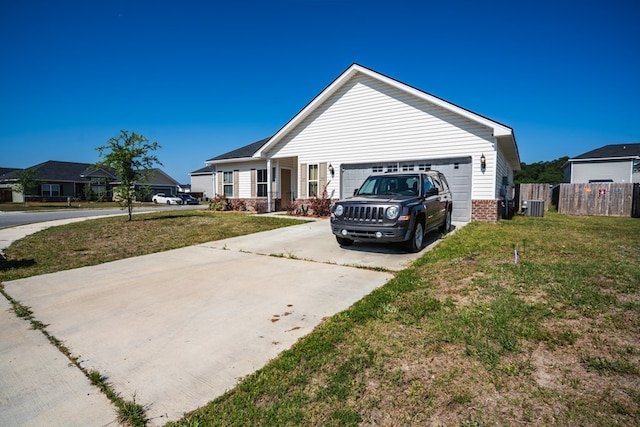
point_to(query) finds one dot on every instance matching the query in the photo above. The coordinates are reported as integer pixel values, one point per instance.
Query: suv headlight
(392, 212)
(339, 210)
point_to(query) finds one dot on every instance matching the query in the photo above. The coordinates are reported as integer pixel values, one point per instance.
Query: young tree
(129, 156)
(25, 180)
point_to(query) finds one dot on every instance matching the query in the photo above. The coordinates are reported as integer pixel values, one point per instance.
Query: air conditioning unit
(533, 208)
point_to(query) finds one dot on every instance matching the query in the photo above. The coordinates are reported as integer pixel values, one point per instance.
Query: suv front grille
(365, 214)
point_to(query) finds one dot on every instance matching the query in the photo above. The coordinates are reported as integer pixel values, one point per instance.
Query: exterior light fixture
(483, 162)
(331, 170)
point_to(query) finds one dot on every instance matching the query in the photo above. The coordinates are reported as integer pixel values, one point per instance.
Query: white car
(166, 199)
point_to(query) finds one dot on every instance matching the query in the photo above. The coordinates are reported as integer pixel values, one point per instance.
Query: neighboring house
(102, 181)
(57, 181)
(366, 122)
(611, 163)
(202, 182)
(6, 189)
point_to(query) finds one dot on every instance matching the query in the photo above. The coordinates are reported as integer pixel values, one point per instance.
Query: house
(202, 182)
(57, 181)
(611, 163)
(101, 182)
(366, 122)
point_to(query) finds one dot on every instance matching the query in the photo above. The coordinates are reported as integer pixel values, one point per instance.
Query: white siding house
(365, 122)
(202, 182)
(611, 163)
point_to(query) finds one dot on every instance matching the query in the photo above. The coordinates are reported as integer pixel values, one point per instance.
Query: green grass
(97, 241)
(102, 240)
(467, 337)
(464, 337)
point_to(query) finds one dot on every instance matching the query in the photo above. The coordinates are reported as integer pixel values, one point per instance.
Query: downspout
(269, 195)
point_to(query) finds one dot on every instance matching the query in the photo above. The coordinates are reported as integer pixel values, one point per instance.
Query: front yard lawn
(467, 337)
(102, 240)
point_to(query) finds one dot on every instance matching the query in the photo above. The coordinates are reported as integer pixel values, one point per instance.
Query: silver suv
(394, 207)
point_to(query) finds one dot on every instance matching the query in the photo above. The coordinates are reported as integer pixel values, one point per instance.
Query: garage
(457, 171)
(365, 122)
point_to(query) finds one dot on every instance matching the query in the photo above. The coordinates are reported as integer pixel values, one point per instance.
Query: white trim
(603, 159)
(234, 160)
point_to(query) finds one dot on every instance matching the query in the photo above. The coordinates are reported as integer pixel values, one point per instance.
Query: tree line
(541, 172)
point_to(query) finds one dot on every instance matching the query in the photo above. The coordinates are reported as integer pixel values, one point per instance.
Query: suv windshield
(406, 185)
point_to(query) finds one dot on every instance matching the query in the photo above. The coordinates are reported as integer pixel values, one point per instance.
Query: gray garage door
(457, 171)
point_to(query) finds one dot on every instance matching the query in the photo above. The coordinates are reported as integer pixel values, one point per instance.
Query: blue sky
(204, 77)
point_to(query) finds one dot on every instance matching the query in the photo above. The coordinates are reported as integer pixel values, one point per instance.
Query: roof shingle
(612, 151)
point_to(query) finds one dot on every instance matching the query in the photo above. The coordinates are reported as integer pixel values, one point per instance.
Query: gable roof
(246, 152)
(612, 151)
(502, 133)
(207, 170)
(5, 173)
(53, 170)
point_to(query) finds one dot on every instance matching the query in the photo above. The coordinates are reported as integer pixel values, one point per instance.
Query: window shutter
(322, 178)
(253, 183)
(219, 191)
(236, 183)
(303, 180)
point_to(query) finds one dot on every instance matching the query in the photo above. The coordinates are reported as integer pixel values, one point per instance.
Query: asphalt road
(12, 219)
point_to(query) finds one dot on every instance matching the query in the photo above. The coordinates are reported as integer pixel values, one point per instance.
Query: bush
(219, 203)
(238, 205)
(321, 206)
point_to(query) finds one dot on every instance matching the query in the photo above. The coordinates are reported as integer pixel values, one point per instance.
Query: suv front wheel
(416, 242)
(344, 242)
(446, 225)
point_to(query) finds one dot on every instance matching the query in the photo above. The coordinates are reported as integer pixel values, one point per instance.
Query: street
(12, 219)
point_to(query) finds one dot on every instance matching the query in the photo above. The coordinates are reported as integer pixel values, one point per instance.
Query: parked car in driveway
(166, 199)
(394, 207)
(188, 199)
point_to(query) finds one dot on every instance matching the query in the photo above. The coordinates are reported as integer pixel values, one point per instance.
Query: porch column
(269, 196)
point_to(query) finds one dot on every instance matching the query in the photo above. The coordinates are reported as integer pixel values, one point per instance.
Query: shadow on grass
(6, 265)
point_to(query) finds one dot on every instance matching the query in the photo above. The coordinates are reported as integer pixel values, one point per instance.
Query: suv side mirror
(355, 192)
(433, 191)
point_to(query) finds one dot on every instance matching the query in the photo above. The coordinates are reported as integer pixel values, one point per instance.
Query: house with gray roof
(362, 123)
(610, 163)
(58, 181)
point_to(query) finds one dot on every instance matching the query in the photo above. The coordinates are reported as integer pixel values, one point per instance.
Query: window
(392, 168)
(636, 166)
(227, 183)
(427, 185)
(50, 190)
(313, 180)
(407, 168)
(377, 169)
(424, 167)
(99, 187)
(261, 181)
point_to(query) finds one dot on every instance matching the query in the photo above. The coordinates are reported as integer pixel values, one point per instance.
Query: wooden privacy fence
(536, 192)
(598, 199)
(604, 199)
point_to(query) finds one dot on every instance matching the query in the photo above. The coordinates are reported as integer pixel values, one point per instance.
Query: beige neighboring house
(366, 122)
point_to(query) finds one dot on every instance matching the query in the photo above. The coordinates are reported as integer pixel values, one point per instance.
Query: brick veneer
(485, 210)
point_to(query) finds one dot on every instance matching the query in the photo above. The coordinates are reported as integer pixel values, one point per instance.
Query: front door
(285, 188)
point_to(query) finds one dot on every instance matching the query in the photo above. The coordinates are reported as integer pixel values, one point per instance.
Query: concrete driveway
(179, 328)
